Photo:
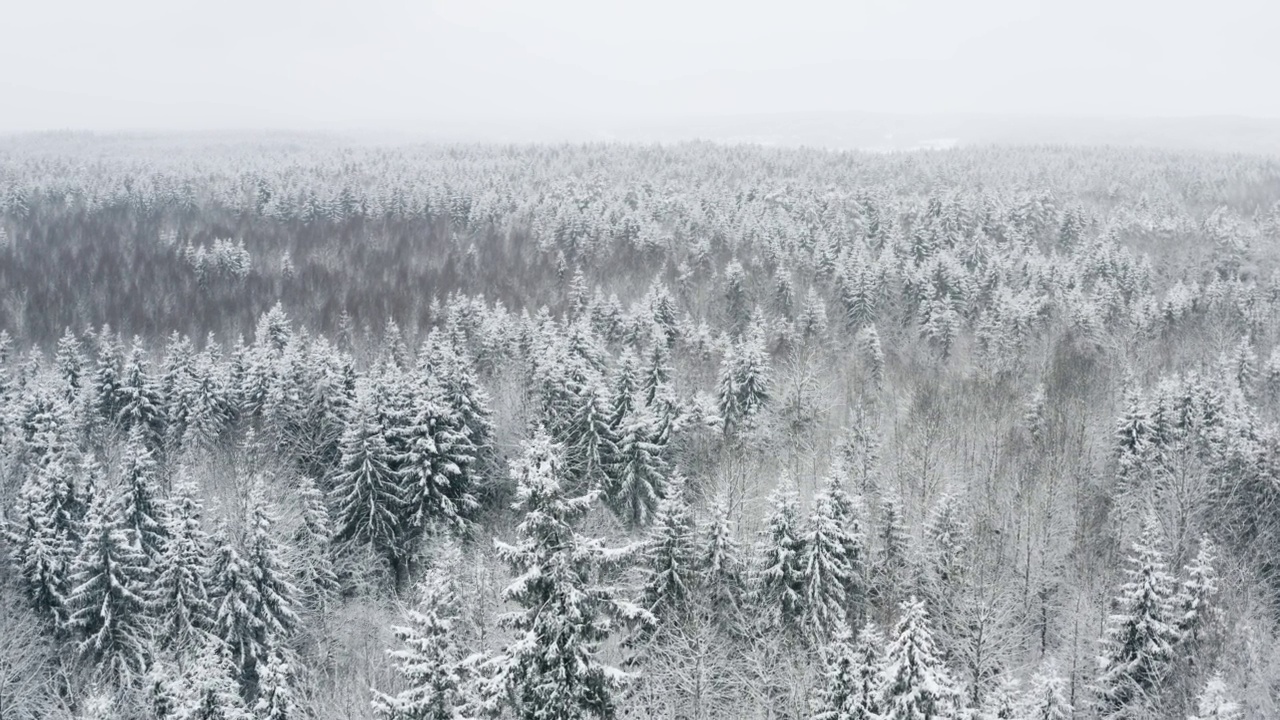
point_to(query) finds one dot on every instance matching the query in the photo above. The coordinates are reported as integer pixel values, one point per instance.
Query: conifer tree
(743, 387)
(1193, 605)
(915, 684)
(234, 595)
(208, 689)
(1214, 703)
(366, 490)
(277, 699)
(852, 676)
(779, 569)
(181, 594)
(872, 353)
(670, 556)
(639, 471)
(429, 661)
(590, 443)
(145, 514)
(274, 597)
(1140, 635)
(317, 580)
(894, 552)
(720, 565)
(108, 596)
(433, 476)
(827, 571)
(1046, 699)
(552, 669)
(140, 405)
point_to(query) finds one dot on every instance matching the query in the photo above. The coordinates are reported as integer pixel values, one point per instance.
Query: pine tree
(366, 490)
(1140, 635)
(945, 539)
(780, 583)
(181, 595)
(109, 602)
(552, 669)
(429, 661)
(915, 684)
(872, 353)
(234, 595)
(852, 676)
(670, 556)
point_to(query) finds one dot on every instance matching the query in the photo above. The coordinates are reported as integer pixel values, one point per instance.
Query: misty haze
(468, 360)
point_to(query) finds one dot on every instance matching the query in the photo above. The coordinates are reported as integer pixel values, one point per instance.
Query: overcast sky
(397, 64)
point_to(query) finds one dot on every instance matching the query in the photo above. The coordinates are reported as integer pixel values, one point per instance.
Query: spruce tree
(720, 565)
(590, 443)
(208, 689)
(433, 476)
(181, 594)
(852, 676)
(670, 557)
(826, 570)
(277, 698)
(915, 684)
(639, 472)
(109, 593)
(366, 491)
(145, 513)
(1140, 634)
(273, 598)
(779, 570)
(314, 571)
(140, 405)
(552, 669)
(1215, 704)
(429, 661)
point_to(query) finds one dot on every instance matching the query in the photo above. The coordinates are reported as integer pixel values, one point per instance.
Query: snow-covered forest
(297, 429)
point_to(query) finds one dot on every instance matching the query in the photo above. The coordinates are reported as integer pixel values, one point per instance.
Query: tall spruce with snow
(1193, 604)
(145, 512)
(141, 407)
(670, 556)
(313, 565)
(639, 471)
(273, 598)
(552, 669)
(181, 593)
(367, 493)
(429, 662)
(433, 474)
(277, 698)
(721, 572)
(208, 690)
(851, 683)
(109, 593)
(1140, 636)
(743, 387)
(914, 682)
(827, 570)
(780, 577)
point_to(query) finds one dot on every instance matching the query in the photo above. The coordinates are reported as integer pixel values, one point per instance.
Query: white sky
(397, 64)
